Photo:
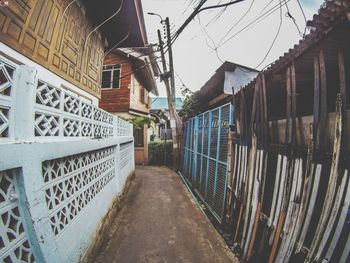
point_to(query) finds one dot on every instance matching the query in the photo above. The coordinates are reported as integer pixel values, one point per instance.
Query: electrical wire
(214, 18)
(305, 19)
(189, 19)
(127, 74)
(138, 69)
(115, 46)
(266, 6)
(238, 21)
(104, 22)
(219, 6)
(141, 54)
(253, 22)
(274, 40)
(188, 6)
(197, 10)
(289, 15)
(179, 78)
(217, 16)
(133, 51)
(206, 34)
(65, 10)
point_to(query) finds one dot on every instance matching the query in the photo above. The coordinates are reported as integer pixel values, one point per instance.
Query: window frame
(112, 70)
(141, 145)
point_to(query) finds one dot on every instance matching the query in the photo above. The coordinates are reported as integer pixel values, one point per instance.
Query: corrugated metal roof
(161, 103)
(331, 13)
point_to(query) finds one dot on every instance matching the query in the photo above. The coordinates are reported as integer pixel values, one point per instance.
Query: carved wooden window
(111, 76)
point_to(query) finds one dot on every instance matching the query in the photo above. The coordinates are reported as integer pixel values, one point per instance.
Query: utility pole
(176, 119)
(171, 62)
(172, 111)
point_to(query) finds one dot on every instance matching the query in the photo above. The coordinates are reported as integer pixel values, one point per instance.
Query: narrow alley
(161, 223)
(247, 101)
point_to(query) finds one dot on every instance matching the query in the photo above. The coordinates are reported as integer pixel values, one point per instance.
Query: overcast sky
(195, 58)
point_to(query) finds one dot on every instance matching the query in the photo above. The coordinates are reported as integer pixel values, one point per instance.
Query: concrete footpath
(161, 223)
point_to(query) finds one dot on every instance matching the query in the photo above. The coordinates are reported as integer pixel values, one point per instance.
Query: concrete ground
(161, 223)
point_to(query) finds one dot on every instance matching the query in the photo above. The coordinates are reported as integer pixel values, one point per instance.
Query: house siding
(128, 96)
(137, 101)
(37, 30)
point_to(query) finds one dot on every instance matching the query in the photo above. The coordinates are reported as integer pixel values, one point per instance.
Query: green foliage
(138, 122)
(156, 153)
(162, 115)
(191, 105)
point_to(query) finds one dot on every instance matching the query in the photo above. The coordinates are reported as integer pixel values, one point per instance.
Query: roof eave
(128, 21)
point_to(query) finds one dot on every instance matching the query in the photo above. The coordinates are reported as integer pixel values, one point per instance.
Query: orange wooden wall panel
(122, 99)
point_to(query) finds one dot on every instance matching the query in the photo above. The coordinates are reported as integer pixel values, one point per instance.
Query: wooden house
(128, 78)
(63, 36)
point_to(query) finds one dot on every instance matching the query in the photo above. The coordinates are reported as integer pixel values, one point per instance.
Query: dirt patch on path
(160, 223)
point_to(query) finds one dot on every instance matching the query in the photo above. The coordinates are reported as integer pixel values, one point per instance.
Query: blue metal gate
(205, 156)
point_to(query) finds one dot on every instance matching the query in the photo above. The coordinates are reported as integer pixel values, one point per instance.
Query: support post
(171, 62)
(25, 81)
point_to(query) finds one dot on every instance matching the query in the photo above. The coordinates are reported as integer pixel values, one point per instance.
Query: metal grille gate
(205, 156)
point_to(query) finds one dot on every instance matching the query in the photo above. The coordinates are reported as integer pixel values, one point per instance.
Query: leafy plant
(191, 105)
(138, 122)
(159, 151)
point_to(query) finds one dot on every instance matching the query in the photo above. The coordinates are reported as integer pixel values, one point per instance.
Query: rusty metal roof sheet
(330, 14)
